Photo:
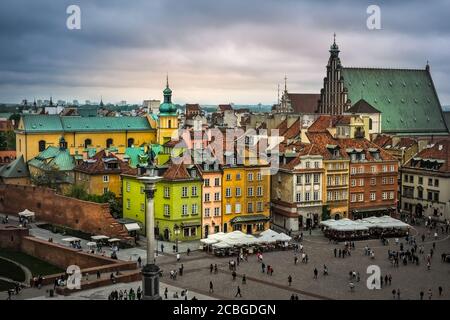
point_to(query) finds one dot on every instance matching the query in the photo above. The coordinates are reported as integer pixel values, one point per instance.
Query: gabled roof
(98, 164)
(304, 102)
(293, 131)
(178, 172)
(15, 169)
(362, 106)
(324, 122)
(383, 140)
(53, 158)
(406, 98)
(437, 153)
(224, 107)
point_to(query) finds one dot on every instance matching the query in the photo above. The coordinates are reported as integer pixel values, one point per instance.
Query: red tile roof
(177, 172)
(324, 122)
(97, 164)
(437, 151)
(293, 131)
(224, 107)
(304, 102)
(383, 140)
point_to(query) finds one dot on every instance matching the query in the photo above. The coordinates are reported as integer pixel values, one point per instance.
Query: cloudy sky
(214, 51)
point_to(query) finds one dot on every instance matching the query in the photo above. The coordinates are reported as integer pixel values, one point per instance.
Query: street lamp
(176, 230)
(150, 272)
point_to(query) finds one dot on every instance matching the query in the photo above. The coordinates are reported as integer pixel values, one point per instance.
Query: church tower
(168, 118)
(333, 96)
(284, 106)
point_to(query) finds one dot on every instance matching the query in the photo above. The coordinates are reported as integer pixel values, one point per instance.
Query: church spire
(334, 49)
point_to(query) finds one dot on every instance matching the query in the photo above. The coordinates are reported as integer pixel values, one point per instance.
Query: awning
(132, 226)
(190, 224)
(71, 239)
(250, 218)
(371, 209)
(101, 237)
(26, 213)
(114, 240)
(91, 244)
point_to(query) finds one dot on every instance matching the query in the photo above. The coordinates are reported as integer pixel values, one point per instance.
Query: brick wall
(57, 209)
(11, 237)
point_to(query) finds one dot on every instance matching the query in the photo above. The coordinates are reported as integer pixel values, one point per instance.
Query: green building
(178, 202)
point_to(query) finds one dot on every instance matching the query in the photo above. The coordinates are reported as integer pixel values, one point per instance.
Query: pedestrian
(211, 267)
(178, 257)
(295, 260)
(188, 251)
(216, 270)
(290, 280)
(139, 260)
(398, 294)
(335, 252)
(162, 248)
(315, 273)
(234, 275)
(352, 286)
(325, 270)
(394, 293)
(174, 248)
(430, 294)
(421, 295)
(139, 293)
(440, 291)
(166, 291)
(244, 279)
(238, 292)
(98, 274)
(211, 287)
(263, 267)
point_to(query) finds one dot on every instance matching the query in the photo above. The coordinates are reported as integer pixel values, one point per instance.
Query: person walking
(234, 275)
(211, 287)
(162, 248)
(295, 260)
(335, 252)
(440, 291)
(244, 279)
(238, 292)
(290, 280)
(211, 267)
(421, 295)
(398, 294)
(315, 273)
(430, 294)
(394, 293)
(178, 257)
(166, 292)
(263, 267)
(216, 270)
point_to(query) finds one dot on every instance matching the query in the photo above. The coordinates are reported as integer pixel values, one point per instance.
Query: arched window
(87, 143)
(41, 145)
(130, 142)
(109, 142)
(370, 123)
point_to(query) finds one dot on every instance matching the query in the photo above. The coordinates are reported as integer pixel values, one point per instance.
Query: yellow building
(102, 173)
(246, 198)
(37, 132)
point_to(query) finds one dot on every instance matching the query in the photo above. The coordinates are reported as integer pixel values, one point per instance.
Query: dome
(166, 108)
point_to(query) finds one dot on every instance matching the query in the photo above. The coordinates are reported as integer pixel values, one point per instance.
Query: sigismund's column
(150, 272)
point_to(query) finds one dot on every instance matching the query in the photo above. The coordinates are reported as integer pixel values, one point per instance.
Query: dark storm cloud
(215, 51)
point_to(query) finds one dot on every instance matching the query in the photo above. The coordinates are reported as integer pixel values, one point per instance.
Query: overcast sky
(214, 51)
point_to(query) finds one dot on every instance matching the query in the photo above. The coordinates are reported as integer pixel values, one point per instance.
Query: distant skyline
(214, 51)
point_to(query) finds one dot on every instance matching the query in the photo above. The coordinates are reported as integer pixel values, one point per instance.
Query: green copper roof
(55, 123)
(406, 98)
(15, 169)
(53, 158)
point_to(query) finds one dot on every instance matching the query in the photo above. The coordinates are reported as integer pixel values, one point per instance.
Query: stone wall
(11, 237)
(57, 209)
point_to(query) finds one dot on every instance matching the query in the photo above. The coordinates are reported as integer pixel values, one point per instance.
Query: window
(250, 207)
(128, 186)
(105, 190)
(316, 178)
(406, 178)
(307, 196)
(419, 193)
(383, 180)
(361, 182)
(105, 178)
(206, 212)
(259, 176)
(373, 196)
(392, 168)
(353, 183)
(128, 204)
(384, 195)
(228, 192)
(41, 145)
(298, 197)
(307, 178)
(436, 183)
(250, 177)
(373, 169)
(299, 179)
(238, 207)
(329, 180)
(307, 165)
(316, 195)
(329, 196)
(373, 181)
(217, 196)
(194, 191)
(217, 182)
(337, 180)
(87, 143)
(411, 179)
(436, 196)
(420, 180)
(353, 197)
(238, 176)
(391, 195)
(166, 192)
(384, 168)
(228, 177)
(259, 206)
(430, 182)
(130, 142)
(259, 191)
(206, 182)
(250, 192)
(193, 230)
(194, 209)
(228, 209)
(217, 211)
(353, 170)
(238, 192)
(184, 209)
(336, 196)
(109, 142)
(184, 192)
(361, 197)
(361, 170)
(186, 232)
(316, 164)
(207, 197)
(166, 210)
